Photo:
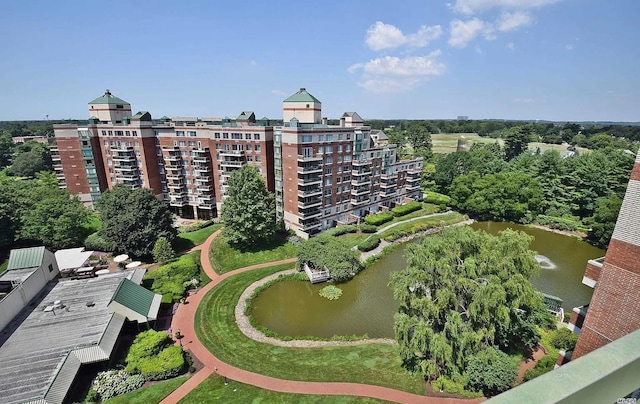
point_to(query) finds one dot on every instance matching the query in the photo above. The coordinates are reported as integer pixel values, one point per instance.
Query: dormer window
(119, 106)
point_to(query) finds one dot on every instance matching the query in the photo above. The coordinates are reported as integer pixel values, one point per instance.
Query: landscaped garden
(173, 279)
(225, 258)
(214, 389)
(369, 363)
(190, 238)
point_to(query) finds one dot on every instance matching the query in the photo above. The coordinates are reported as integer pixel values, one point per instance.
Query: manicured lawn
(214, 390)
(353, 239)
(426, 210)
(225, 258)
(447, 142)
(149, 395)
(184, 241)
(446, 219)
(377, 364)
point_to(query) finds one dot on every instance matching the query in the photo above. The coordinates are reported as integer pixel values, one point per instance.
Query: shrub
(340, 230)
(567, 222)
(368, 228)
(406, 209)
(563, 338)
(544, 365)
(453, 387)
(369, 244)
(379, 218)
(168, 363)
(491, 371)
(92, 396)
(162, 251)
(437, 199)
(115, 382)
(147, 343)
(97, 243)
(172, 280)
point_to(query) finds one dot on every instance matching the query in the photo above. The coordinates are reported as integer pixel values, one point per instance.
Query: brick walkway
(183, 320)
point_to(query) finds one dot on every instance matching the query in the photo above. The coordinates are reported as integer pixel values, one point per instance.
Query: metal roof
(134, 297)
(302, 96)
(72, 258)
(26, 258)
(107, 98)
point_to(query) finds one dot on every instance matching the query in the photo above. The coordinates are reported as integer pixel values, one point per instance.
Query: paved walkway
(183, 320)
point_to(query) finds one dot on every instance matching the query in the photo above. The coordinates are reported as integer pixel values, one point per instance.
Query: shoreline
(571, 233)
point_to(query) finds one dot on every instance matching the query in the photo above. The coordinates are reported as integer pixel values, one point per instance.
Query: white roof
(72, 257)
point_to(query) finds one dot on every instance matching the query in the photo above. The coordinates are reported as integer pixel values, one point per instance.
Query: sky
(559, 60)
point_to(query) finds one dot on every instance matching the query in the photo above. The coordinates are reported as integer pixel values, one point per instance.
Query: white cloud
(568, 47)
(394, 74)
(510, 21)
(384, 36)
(463, 32)
(510, 46)
(472, 6)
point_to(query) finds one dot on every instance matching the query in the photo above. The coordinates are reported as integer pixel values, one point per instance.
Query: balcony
(413, 179)
(592, 273)
(361, 180)
(359, 201)
(204, 188)
(309, 203)
(173, 157)
(310, 192)
(206, 205)
(387, 192)
(176, 185)
(178, 202)
(60, 175)
(55, 157)
(313, 224)
(201, 168)
(360, 191)
(125, 167)
(309, 169)
(309, 158)
(387, 176)
(127, 176)
(122, 149)
(310, 214)
(412, 186)
(389, 184)
(203, 179)
(231, 153)
(360, 163)
(309, 181)
(577, 318)
(201, 159)
(232, 163)
(360, 172)
(129, 157)
(175, 176)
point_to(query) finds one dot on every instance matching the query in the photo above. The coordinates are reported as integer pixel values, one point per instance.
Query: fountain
(545, 262)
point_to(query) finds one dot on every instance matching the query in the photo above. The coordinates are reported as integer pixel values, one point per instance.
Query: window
(182, 143)
(307, 151)
(339, 169)
(339, 148)
(248, 147)
(327, 171)
(216, 135)
(328, 149)
(339, 136)
(348, 136)
(329, 138)
(247, 136)
(258, 159)
(236, 136)
(257, 147)
(104, 133)
(320, 149)
(110, 133)
(50, 267)
(191, 133)
(256, 136)
(348, 148)
(119, 133)
(109, 162)
(218, 146)
(307, 139)
(225, 135)
(327, 181)
(180, 133)
(136, 144)
(134, 133)
(328, 160)
(127, 133)
(320, 138)
(106, 142)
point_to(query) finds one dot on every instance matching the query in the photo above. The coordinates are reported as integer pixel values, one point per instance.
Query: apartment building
(322, 174)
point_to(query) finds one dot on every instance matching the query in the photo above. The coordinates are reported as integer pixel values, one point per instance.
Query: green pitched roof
(302, 96)
(133, 296)
(107, 98)
(142, 115)
(26, 258)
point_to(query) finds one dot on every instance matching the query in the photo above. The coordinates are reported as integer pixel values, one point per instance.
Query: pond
(367, 305)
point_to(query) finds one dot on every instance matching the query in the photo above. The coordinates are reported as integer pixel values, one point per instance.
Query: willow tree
(464, 291)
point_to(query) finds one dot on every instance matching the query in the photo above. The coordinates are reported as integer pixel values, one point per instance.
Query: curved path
(183, 320)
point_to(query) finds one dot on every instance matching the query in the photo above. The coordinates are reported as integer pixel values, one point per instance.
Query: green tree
(328, 252)
(248, 212)
(6, 149)
(491, 372)
(162, 251)
(31, 158)
(57, 221)
(604, 219)
(458, 289)
(516, 142)
(419, 138)
(134, 219)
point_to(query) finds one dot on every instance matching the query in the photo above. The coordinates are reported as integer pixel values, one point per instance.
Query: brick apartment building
(321, 174)
(614, 310)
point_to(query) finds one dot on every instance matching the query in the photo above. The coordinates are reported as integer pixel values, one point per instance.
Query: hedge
(154, 357)
(368, 228)
(147, 343)
(172, 280)
(379, 218)
(436, 198)
(369, 244)
(402, 210)
(340, 230)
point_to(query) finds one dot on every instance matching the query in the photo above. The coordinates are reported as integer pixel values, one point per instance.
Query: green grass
(149, 395)
(353, 239)
(427, 209)
(185, 241)
(447, 142)
(213, 389)
(444, 220)
(225, 258)
(377, 364)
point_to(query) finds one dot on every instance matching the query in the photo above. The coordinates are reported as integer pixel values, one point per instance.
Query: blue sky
(513, 59)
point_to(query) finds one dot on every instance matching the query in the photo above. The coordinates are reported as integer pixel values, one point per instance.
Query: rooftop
(34, 346)
(302, 96)
(17, 274)
(108, 98)
(72, 258)
(25, 258)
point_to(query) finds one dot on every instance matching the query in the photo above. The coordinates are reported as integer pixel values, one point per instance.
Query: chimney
(342, 120)
(324, 120)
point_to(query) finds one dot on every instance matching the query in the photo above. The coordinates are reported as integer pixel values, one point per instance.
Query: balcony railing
(231, 153)
(309, 192)
(309, 158)
(232, 163)
(309, 203)
(310, 169)
(309, 181)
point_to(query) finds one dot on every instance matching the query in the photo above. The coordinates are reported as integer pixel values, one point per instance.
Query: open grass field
(215, 325)
(184, 241)
(149, 395)
(447, 142)
(213, 389)
(225, 258)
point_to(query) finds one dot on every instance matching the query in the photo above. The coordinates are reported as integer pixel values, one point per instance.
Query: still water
(367, 306)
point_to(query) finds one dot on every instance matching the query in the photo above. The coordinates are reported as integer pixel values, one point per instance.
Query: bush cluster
(154, 356)
(340, 230)
(172, 280)
(369, 244)
(566, 223)
(379, 218)
(395, 234)
(403, 210)
(437, 199)
(563, 338)
(544, 365)
(368, 228)
(453, 387)
(114, 382)
(491, 371)
(96, 242)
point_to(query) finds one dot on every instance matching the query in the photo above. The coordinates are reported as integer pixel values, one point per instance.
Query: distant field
(447, 142)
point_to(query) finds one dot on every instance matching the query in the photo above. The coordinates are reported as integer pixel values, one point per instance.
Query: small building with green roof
(135, 302)
(303, 106)
(109, 108)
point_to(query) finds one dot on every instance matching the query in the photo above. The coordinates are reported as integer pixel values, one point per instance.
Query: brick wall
(592, 271)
